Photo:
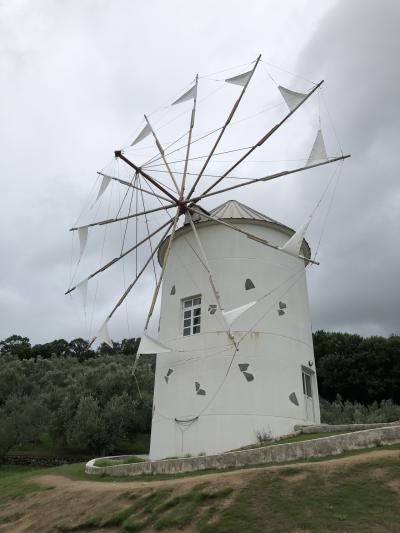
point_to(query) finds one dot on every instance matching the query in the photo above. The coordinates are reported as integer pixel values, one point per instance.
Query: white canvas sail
(293, 245)
(318, 152)
(142, 135)
(241, 79)
(191, 93)
(105, 182)
(233, 314)
(103, 334)
(292, 98)
(83, 234)
(148, 346)
(83, 289)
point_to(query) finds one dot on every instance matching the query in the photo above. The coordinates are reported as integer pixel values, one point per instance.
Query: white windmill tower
(249, 369)
(234, 347)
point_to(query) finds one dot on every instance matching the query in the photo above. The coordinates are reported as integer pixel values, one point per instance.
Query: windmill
(234, 346)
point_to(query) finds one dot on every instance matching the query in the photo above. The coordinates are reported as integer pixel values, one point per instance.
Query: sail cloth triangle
(291, 98)
(233, 314)
(293, 245)
(82, 287)
(318, 151)
(142, 135)
(241, 79)
(191, 93)
(104, 335)
(83, 234)
(105, 182)
(148, 346)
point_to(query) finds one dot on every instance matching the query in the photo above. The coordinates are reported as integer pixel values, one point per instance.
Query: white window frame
(307, 391)
(191, 315)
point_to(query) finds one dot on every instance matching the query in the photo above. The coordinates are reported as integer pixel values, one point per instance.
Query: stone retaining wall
(327, 428)
(44, 461)
(277, 453)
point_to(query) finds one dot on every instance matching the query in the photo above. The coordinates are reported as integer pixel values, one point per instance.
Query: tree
(87, 429)
(16, 345)
(22, 420)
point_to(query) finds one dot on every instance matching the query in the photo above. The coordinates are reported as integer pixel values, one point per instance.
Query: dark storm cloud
(76, 79)
(356, 49)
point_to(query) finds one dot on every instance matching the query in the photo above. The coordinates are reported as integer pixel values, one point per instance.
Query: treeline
(359, 369)
(72, 396)
(86, 399)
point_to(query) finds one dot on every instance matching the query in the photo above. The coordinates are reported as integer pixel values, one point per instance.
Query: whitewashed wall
(233, 409)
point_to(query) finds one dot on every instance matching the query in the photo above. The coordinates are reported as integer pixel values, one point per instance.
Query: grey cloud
(77, 77)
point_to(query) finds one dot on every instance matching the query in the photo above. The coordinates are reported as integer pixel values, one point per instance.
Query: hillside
(359, 492)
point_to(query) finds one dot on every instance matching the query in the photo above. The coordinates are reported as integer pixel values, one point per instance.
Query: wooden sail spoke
(165, 260)
(133, 215)
(148, 178)
(162, 153)
(264, 138)
(228, 120)
(267, 178)
(211, 279)
(130, 184)
(192, 119)
(122, 255)
(251, 236)
(130, 287)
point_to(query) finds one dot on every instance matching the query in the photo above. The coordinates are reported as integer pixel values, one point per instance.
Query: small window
(191, 315)
(307, 388)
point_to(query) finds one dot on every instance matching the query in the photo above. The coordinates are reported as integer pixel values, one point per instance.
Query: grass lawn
(351, 497)
(14, 481)
(112, 462)
(158, 509)
(294, 438)
(357, 498)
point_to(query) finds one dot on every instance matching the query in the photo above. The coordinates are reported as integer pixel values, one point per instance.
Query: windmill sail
(233, 314)
(148, 346)
(83, 234)
(291, 98)
(188, 95)
(83, 289)
(318, 151)
(241, 79)
(293, 245)
(142, 135)
(105, 182)
(104, 335)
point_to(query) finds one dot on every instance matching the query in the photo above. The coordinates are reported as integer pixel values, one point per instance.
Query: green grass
(77, 471)
(112, 462)
(295, 438)
(14, 481)
(158, 509)
(12, 476)
(350, 498)
(346, 499)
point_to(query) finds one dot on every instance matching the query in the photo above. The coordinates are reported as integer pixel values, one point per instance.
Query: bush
(345, 412)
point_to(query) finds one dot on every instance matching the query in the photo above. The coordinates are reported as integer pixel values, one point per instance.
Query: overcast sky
(77, 76)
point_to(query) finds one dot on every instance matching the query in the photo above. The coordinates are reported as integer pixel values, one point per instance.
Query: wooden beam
(266, 178)
(264, 138)
(119, 154)
(233, 110)
(116, 259)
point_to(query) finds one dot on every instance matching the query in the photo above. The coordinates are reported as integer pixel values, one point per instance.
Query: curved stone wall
(277, 453)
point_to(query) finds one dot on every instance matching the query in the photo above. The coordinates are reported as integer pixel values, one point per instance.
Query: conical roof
(235, 209)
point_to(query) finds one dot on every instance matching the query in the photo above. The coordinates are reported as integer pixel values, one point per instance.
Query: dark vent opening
(249, 284)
